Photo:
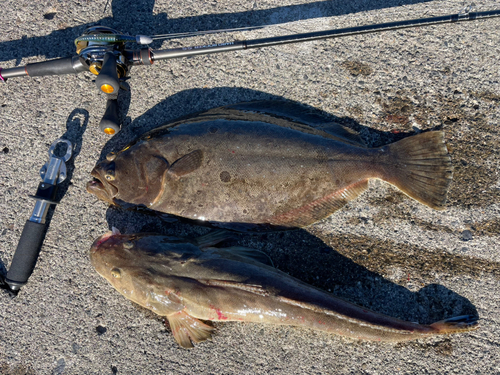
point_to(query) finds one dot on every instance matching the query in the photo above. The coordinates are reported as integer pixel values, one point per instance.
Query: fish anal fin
(186, 164)
(320, 208)
(187, 329)
(251, 288)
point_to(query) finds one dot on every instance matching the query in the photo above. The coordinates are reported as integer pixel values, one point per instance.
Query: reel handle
(110, 122)
(107, 81)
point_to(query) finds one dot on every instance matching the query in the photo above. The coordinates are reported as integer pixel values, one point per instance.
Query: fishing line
(464, 10)
(196, 33)
(145, 39)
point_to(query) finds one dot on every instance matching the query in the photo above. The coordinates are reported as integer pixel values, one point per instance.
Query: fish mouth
(101, 188)
(95, 184)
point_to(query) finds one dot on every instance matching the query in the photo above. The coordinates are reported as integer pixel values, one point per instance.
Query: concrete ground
(382, 251)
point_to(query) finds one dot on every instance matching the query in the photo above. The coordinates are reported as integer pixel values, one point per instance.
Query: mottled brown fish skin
(229, 169)
(186, 281)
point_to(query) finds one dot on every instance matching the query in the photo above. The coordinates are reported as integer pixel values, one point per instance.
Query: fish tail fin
(421, 168)
(457, 324)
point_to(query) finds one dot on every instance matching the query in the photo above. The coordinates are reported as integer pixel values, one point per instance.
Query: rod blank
(317, 35)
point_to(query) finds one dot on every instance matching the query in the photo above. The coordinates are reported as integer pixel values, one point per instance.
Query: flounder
(188, 281)
(254, 163)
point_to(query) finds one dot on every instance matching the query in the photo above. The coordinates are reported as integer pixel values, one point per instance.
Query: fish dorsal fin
(186, 164)
(288, 115)
(320, 208)
(343, 133)
(187, 329)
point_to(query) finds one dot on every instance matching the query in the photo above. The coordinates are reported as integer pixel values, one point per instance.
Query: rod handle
(26, 254)
(66, 65)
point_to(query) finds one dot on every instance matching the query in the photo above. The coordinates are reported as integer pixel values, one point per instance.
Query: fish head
(143, 267)
(114, 258)
(134, 175)
(128, 263)
(136, 258)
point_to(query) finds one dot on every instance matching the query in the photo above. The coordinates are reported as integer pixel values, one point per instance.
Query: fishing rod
(101, 50)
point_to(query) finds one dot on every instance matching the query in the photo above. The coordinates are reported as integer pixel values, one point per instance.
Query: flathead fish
(235, 164)
(190, 281)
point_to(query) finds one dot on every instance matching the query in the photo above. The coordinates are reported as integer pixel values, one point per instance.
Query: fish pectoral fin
(213, 238)
(187, 164)
(252, 254)
(187, 329)
(251, 288)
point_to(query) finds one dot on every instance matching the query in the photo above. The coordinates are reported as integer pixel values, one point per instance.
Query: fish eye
(110, 175)
(115, 272)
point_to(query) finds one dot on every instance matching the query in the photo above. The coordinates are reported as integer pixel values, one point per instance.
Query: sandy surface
(383, 251)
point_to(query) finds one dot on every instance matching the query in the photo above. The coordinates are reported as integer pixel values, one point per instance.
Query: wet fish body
(188, 281)
(235, 164)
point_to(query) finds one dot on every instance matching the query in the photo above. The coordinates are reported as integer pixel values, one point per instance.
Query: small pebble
(101, 330)
(466, 235)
